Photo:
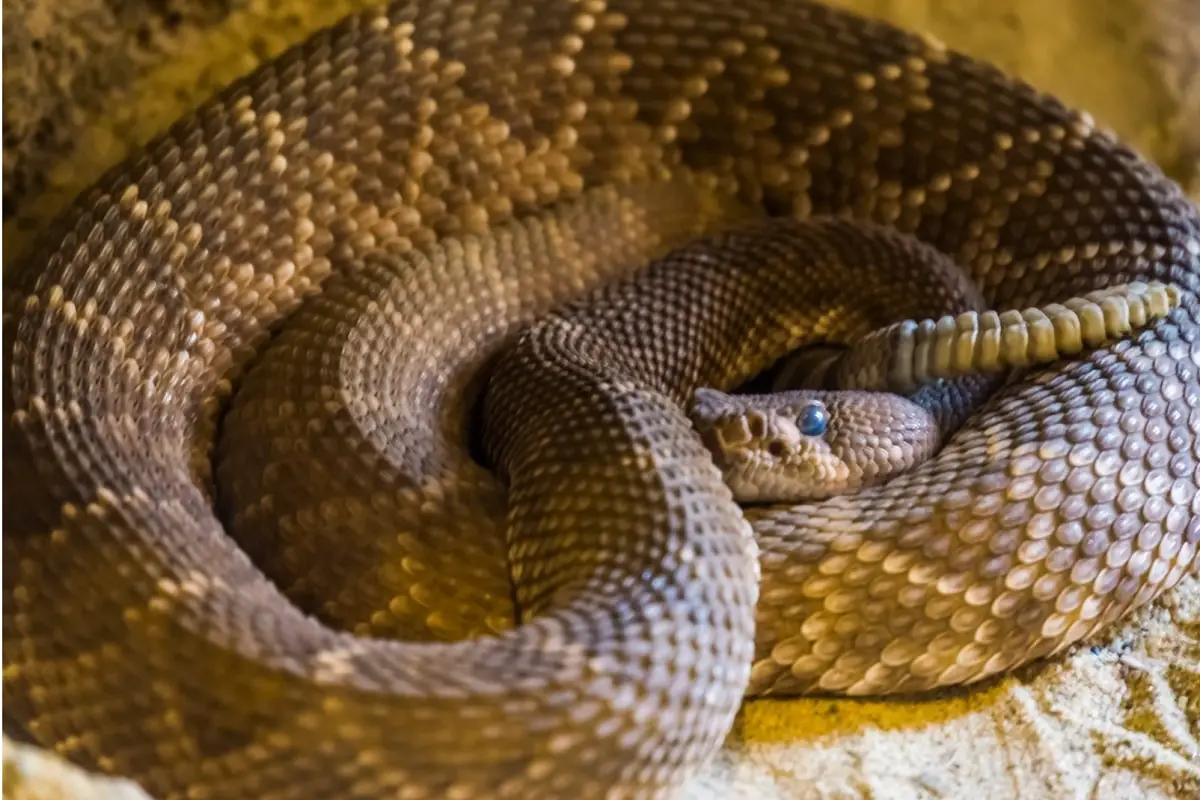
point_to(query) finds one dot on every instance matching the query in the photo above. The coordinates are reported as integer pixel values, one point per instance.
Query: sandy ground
(1117, 718)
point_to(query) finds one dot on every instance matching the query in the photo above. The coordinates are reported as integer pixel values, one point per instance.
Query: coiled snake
(463, 168)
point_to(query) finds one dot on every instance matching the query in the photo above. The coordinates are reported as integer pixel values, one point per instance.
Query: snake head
(807, 445)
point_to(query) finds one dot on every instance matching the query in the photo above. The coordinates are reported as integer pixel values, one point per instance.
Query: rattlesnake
(455, 161)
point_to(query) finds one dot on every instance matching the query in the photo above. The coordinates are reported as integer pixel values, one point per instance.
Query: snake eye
(813, 420)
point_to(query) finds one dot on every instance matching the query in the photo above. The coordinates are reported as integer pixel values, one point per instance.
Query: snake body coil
(462, 168)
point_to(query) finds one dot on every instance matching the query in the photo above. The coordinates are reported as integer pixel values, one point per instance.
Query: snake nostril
(776, 448)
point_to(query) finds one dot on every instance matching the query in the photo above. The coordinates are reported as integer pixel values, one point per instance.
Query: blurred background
(85, 81)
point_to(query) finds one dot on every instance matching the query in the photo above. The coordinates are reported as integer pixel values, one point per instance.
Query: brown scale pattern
(139, 637)
(345, 461)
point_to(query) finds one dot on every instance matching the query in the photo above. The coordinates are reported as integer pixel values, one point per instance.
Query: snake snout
(770, 448)
(808, 445)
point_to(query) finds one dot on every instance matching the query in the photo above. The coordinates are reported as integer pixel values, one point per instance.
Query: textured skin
(139, 638)
(758, 441)
(765, 456)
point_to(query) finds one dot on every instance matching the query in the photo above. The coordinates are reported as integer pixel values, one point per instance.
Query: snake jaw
(810, 472)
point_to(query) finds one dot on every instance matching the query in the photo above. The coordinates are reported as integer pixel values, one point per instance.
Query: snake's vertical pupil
(813, 420)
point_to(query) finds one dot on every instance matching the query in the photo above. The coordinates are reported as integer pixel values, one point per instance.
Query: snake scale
(329, 611)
